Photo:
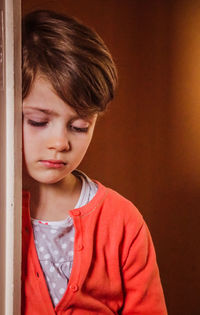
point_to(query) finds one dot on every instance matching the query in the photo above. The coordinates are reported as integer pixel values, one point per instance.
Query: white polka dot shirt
(54, 243)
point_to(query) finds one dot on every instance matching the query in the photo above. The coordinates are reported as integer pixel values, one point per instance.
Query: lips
(53, 163)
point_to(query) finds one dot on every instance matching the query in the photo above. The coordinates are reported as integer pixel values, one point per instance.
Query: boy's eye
(37, 123)
(79, 129)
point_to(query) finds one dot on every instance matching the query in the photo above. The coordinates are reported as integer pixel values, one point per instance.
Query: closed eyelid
(86, 122)
(38, 119)
(80, 124)
(40, 115)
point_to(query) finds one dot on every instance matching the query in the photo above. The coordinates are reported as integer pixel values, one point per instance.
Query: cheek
(27, 138)
(33, 134)
(82, 146)
(31, 141)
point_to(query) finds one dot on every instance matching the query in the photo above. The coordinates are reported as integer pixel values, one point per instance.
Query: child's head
(68, 78)
(72, 57)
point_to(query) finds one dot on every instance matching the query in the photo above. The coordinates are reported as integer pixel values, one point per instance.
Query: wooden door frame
(11, 161)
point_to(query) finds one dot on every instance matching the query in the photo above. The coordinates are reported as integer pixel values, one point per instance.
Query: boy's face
(55, 138)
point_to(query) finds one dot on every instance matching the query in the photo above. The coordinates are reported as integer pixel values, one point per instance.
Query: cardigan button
(74, 287)
(76, 212)
(79, 247)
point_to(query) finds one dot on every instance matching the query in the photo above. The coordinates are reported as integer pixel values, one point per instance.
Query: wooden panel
(2, 163)
(10, 161)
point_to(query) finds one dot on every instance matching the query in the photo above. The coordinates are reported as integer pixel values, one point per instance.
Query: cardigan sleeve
(143, 292)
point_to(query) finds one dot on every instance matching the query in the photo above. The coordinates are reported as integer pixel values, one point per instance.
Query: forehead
(43, 98)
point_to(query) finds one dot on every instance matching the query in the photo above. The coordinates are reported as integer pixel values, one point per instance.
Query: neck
(52, 202)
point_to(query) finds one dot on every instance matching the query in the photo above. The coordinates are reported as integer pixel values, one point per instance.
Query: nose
(59, 142)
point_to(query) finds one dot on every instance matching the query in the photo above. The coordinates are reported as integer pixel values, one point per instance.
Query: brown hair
(72, 57)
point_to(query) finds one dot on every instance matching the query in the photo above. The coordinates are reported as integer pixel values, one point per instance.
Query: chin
(49, 181)
(46, 179)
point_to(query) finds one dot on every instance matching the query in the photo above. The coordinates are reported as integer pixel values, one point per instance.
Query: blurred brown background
(147, 146)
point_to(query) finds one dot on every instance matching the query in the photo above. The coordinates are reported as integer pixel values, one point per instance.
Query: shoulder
(118, 207)
(123, 222)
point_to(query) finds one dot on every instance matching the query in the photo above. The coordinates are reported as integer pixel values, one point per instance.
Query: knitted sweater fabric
(114, 269)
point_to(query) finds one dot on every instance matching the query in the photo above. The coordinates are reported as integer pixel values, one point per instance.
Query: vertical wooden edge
(17, 157)
(9, 135)
(13, 156)
(2, 166)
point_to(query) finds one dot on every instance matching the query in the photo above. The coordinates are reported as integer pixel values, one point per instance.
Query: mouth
(53, 163)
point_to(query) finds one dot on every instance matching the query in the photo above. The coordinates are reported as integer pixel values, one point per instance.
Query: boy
(86, 249)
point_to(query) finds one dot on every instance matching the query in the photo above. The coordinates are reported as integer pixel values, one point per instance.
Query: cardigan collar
(82, 211)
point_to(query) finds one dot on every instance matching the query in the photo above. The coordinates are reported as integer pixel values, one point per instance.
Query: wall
(147, 146)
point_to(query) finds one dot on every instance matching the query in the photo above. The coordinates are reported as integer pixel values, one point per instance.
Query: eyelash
(44, 123)
(77, 129)
(37, 123)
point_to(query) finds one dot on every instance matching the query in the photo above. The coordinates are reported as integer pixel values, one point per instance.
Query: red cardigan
(114, 269)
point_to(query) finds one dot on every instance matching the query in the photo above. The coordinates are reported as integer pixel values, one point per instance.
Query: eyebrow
(45, 111)
(49, 112)
(53, 113)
